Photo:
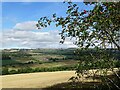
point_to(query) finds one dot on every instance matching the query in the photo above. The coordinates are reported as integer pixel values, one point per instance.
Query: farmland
(37, 59)
(59, 64)
(35, 80)
(41, 79)
(42, 60)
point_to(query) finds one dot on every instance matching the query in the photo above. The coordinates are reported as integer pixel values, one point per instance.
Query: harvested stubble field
(42, 79)
(35, 80)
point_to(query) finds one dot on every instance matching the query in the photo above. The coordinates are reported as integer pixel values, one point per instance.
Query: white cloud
(26, 36)
(29, 25)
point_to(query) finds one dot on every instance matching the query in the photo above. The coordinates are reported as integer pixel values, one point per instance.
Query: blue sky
(19, 12)
(23, 15)
(28, 11)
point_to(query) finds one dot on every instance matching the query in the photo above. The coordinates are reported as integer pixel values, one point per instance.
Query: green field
(38, 59)
(9, 62)
(42, 60)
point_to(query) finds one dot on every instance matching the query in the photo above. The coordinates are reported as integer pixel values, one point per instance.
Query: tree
(5, 71)
(95, 27)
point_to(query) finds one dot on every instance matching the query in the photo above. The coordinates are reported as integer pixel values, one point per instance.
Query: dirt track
(35, 80)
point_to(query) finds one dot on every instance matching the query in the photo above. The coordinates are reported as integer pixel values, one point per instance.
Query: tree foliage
(95, 27)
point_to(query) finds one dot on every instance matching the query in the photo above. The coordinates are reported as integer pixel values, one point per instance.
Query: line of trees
(6, 71)
(101, 63)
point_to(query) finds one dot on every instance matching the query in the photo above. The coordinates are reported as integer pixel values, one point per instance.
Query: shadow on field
(89, 85)
(79, 86)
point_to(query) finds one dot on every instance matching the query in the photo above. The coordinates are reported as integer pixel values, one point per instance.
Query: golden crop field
(43, 79)
(35, 80)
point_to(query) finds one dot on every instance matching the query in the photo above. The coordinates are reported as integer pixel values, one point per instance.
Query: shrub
(13, 72)
(36, 70)
(5, 71)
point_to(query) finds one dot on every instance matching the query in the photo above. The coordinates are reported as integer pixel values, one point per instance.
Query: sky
(19, 25)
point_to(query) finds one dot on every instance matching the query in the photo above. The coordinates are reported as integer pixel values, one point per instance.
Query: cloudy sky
(18, 25)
